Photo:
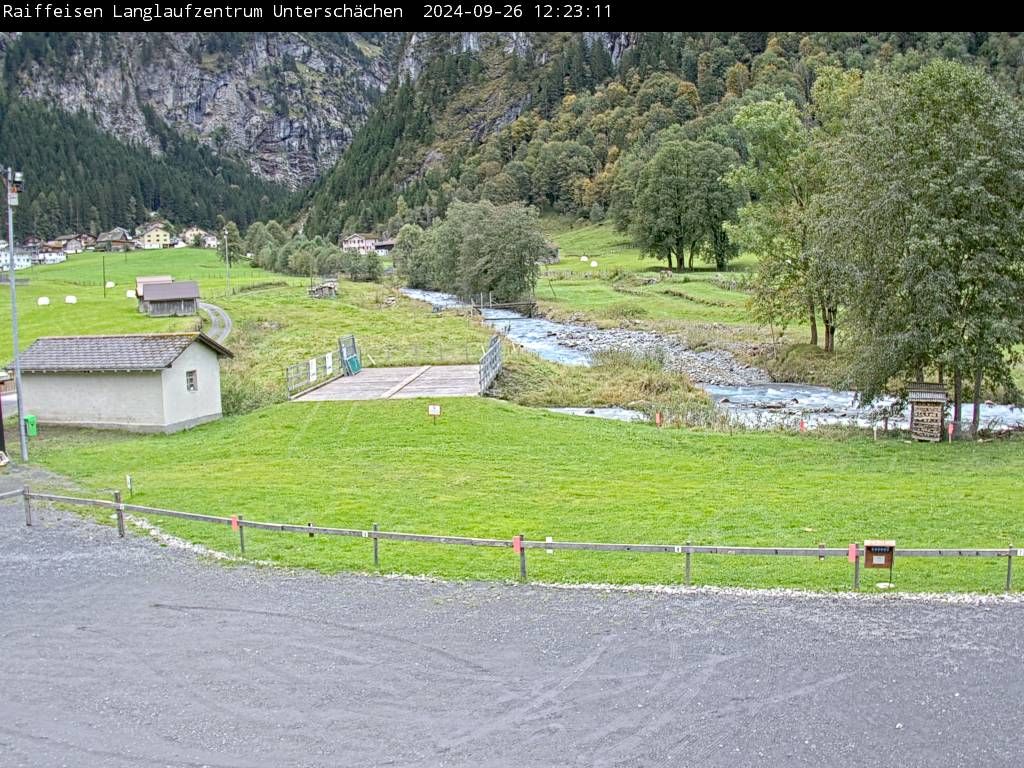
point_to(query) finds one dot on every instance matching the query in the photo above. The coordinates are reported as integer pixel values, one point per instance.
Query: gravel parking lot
(127, 653)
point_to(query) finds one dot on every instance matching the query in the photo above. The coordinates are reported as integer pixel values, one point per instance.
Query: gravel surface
(713, 366)
(127, 653)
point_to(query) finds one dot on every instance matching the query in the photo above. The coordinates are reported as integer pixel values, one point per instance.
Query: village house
(153, 236)
(384, 247)
(173, 299)
(117, 239)
(193, 235)
(361, 243)
(160, 382)
(73, 245)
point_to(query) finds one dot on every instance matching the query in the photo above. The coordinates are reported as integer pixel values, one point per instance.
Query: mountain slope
(547, 117)
(284, 104)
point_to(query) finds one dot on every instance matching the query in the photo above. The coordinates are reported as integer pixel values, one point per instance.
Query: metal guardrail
(490, 363)
(519, 543)
(318, 370)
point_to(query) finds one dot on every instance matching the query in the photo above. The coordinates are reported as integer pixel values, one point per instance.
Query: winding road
(126, 653)
(220, 321)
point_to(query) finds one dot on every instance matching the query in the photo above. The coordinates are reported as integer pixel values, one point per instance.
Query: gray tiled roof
(186, 289)
(127, 352)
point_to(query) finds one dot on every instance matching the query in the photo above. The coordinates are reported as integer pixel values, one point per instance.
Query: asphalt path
(128, 653)
(220, 321)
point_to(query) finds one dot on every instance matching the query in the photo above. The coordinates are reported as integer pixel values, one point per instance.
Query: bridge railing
(318, 370)
(490, 363)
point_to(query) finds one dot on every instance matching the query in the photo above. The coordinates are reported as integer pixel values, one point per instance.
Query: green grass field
(492, 469)
(81, 276)
(670, 304)
(687, 302)
(280, 326)
(611, 249)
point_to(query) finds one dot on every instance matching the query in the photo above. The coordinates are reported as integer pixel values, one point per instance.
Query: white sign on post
(312, 369)
(12, 198)
(434, 410)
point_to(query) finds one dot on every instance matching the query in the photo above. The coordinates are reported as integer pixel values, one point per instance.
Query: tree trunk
(976, 416)
(814, 322)
(958, 401)
(670, 261)
(828, 319)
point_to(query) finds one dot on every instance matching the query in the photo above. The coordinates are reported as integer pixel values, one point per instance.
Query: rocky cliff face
(286, 104)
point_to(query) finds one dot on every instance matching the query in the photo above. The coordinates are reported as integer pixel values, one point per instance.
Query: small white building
(159, 382)
(362, 243)
(22, 260)
(54, 257)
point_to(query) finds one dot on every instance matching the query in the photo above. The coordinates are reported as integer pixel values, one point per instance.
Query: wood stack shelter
(927, 411)
(326, 290)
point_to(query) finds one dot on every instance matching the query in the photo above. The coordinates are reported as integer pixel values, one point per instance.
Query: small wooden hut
(927, 411)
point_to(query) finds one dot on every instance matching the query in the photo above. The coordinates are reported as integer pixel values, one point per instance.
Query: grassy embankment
(706, 308)
(493, 469)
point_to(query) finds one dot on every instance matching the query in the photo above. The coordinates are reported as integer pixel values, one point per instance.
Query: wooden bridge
(401, 382)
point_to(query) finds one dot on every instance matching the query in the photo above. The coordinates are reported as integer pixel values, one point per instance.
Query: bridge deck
(404, 382)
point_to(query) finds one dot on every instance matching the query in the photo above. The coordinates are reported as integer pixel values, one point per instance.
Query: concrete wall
(156, 401)
(131, 401)
(183, 408)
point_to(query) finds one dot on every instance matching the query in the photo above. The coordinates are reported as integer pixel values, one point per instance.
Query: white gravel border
(947, 598)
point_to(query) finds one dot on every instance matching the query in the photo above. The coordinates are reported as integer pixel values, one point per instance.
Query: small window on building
(191, 381)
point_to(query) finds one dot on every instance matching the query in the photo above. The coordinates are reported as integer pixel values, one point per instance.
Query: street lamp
(12, 181)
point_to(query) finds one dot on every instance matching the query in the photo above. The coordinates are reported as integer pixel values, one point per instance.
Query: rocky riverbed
(716, 367)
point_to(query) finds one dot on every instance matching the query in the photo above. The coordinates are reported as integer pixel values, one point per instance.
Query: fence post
(689, 562)
(241, 535)
(310, 525)
(856, 568)
(120, 514)
(1009, 568)
(376, 548)
(26, 494)
(522, 557)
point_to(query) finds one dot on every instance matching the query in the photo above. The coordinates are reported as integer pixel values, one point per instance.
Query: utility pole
(13, 183)
(105, 274)
(227, 263)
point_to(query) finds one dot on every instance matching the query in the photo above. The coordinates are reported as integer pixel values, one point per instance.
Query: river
(744, 393)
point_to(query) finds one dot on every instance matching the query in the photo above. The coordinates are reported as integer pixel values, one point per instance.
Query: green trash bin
(31, 428)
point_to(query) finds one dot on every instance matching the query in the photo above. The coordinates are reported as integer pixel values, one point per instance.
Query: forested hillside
(110, 127)
(558, 120)
(79, 178)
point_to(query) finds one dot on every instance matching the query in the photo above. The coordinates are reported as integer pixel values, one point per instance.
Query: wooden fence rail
(519, 544)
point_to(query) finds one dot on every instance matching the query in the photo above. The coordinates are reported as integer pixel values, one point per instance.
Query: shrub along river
(745, 393)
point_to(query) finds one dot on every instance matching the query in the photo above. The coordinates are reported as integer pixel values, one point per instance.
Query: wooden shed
(170, 299)
(927, 411)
